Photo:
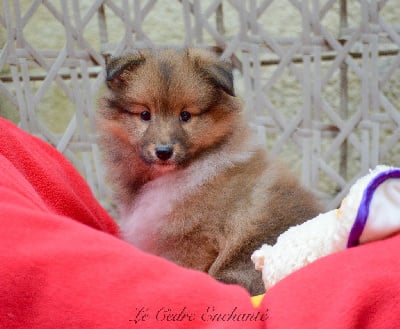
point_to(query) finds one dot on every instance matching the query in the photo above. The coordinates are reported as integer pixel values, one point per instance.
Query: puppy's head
(167, 107)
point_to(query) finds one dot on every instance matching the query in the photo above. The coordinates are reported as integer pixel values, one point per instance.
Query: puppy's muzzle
(164, 152)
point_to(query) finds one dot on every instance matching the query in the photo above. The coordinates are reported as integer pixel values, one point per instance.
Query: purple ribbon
(363, 210)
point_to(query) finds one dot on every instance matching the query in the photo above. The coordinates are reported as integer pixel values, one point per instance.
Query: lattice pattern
(320, 79)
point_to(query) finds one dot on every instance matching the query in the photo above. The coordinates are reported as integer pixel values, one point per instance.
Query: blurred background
(320, 79)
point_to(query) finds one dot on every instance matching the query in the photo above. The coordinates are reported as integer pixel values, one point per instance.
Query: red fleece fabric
(62, 265)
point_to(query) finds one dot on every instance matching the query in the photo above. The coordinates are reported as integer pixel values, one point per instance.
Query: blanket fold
(53, 178)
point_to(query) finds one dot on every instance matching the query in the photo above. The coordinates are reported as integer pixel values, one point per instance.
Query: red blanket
(63, 266)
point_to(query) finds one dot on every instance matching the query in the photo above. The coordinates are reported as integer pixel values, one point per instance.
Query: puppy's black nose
(164, 152)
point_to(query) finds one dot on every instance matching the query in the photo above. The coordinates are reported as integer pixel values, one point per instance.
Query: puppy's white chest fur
(150, 210)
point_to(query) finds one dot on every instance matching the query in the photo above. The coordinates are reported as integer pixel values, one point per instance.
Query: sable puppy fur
(192, 183)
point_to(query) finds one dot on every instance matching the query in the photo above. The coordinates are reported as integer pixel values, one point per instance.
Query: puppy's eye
(185, 116)
(145, 116)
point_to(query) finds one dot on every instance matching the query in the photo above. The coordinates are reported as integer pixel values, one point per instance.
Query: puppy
(192, 183)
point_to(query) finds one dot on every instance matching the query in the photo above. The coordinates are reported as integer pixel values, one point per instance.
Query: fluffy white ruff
(141, 220)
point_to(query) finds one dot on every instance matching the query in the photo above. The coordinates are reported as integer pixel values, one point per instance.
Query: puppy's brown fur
(194, 188)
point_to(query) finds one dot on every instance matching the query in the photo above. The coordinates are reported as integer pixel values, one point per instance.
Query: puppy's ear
(221, 76)
(117, 67)
(217, 72)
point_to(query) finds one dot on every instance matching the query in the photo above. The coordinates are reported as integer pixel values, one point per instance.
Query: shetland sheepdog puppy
(192, 183)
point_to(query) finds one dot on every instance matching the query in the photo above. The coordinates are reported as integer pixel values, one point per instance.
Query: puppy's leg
(234, 266)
